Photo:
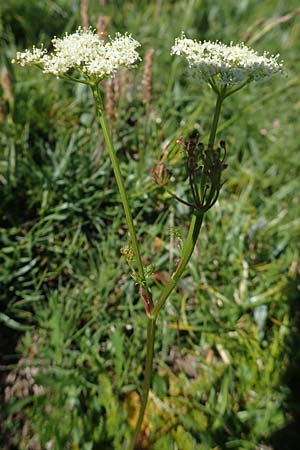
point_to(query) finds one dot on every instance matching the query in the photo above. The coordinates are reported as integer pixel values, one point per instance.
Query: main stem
(120, 182)
(147, 381)
(193, 233)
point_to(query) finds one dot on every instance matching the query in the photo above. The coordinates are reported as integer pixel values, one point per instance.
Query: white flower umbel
(83, 52)
(226, 65)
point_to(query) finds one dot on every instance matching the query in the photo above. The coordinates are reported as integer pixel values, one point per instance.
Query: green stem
(214, 125)
(193, 234)
(76, 80)
(178, 198)
(212, 136)
(147, 381)
(120, 182)
(238, 88)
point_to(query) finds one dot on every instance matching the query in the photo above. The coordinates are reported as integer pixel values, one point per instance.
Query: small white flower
(220, 64)
(85, 53)
(27, 58)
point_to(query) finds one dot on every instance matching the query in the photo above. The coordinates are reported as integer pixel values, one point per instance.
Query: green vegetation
(72, 323)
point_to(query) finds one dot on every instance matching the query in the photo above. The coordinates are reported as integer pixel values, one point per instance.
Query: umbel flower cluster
(94, 59)
(215, 62)
(85, 52)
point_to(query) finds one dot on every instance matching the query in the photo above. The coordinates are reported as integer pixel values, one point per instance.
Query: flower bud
(160, 174)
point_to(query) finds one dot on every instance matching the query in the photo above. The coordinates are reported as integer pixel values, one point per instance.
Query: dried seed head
(101, 26)
(3, 112)
(84, 14)
(110, 104)
(116, 89)
(147, 76)
(6, 83)
(124, 82)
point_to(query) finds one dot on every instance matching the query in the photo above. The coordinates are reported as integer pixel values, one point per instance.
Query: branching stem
(193, 233)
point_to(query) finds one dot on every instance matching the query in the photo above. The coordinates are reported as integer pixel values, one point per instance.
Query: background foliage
(72, 325)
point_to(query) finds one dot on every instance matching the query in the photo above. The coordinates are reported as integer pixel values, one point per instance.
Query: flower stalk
(214, 126)
(120, 183)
